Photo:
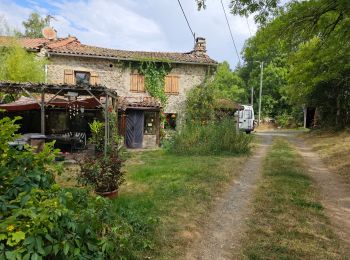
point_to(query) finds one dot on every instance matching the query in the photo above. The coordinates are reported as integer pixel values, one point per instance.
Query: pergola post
(42, 112)
(106, 126)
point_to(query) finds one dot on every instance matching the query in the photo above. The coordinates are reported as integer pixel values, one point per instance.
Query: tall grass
(212, 139)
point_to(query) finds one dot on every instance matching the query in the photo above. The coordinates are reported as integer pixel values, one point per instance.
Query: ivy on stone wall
(155, 73)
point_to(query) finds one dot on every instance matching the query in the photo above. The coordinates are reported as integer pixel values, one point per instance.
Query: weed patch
(214, 138)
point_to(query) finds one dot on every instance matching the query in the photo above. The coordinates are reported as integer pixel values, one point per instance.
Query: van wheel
(247, 132)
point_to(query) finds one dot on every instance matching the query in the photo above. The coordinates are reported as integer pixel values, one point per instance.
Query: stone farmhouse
(71, 62)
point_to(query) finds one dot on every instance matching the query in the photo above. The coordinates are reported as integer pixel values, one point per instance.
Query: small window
(247, 114)
(150, 123)
(137, 83)
(170, 121)
(82, 77)
(171, 85)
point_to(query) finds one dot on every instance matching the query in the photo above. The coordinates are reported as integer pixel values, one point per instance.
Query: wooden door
(134, 128)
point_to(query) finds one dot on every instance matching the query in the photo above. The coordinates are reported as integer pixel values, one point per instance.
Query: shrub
(286, 120)
(103, 174)
(211, 139)
(41, 220)
(200, 103)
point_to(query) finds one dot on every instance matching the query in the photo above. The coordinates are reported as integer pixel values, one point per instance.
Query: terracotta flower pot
(108, 194)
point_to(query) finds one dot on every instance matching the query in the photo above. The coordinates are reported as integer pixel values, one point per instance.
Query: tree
(264, 10)
(34, 25)
(17, 65)
(309, 60)
(261, 48)
(228, 85)
(225, 85)
(20, 66)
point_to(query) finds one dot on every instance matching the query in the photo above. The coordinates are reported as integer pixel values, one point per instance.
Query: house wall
(116, 76)
(149, 141)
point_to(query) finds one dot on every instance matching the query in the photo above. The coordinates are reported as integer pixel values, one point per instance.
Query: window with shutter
(171, 85)
(68, 77)
(137, 83)
(94, 78)
(82, 77)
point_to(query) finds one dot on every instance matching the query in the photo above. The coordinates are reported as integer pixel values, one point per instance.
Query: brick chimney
(200, 46)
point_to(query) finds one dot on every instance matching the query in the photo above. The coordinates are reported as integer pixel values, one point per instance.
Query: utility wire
(250, 32)
(189, 26)
(233, 41)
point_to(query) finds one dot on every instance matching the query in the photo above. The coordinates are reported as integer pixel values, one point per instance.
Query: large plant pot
(108, 194)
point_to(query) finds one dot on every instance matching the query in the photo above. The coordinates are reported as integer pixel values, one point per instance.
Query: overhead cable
(189, 26)
(250, 32)
(229, 27)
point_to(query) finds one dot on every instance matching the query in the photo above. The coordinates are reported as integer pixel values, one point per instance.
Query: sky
(147, 25)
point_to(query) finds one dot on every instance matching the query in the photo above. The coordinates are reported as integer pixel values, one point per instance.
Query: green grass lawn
(288, 221)
(167, 197)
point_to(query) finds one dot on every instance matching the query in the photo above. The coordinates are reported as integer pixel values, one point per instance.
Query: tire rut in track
(225, 227)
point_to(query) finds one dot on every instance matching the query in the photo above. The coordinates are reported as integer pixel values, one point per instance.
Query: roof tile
(71, 46)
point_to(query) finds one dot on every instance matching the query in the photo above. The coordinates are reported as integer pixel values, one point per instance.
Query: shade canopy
(26, 103)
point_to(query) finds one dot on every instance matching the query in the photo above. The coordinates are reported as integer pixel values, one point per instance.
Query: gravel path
(220, 239)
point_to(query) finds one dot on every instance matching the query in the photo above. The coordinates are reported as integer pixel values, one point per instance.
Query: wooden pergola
(95, 91)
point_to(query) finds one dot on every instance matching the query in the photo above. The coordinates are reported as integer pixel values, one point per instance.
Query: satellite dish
(49, 33)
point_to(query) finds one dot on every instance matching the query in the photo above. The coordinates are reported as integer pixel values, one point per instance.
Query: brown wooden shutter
(175, 85)
(69, 77)
(133, 83)
(167, 88)
(137, 83)
(141, 83)
(171, 85)
(94, 78)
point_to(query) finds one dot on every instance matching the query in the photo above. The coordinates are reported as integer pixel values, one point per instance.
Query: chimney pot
(200, 46)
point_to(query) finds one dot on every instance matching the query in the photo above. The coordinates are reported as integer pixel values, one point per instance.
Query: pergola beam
(15, 87)
(62, 89)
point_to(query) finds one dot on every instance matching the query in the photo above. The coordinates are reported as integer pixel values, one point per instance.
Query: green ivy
(155, 73)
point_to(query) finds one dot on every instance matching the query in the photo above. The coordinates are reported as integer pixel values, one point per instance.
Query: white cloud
(151, 25)
(108, 24)
(14, 14)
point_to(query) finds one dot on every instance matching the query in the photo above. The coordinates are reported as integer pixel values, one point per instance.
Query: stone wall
(149, 141)
(116, 76)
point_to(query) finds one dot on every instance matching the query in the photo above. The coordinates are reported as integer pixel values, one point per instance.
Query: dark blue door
(134, 128)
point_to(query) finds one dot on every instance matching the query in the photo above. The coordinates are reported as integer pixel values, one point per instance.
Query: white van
(246, 118)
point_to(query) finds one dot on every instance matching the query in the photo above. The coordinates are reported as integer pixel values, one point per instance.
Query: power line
(250, 32)
(189, 26)
(233, 41)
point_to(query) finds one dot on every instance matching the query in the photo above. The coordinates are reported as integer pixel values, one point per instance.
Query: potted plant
(97, 135)
(104, 174)
(104, 171)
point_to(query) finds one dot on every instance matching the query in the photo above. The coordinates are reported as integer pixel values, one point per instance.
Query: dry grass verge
(334, 149)
(288, 222)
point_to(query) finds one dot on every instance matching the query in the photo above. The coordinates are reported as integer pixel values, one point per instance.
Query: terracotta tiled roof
(75, 48)
(36, 43)
(138, 102)
(71, 46)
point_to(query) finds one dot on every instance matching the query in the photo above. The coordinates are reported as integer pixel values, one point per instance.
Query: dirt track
(226, 224)
(335, 192)
(220, 239)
